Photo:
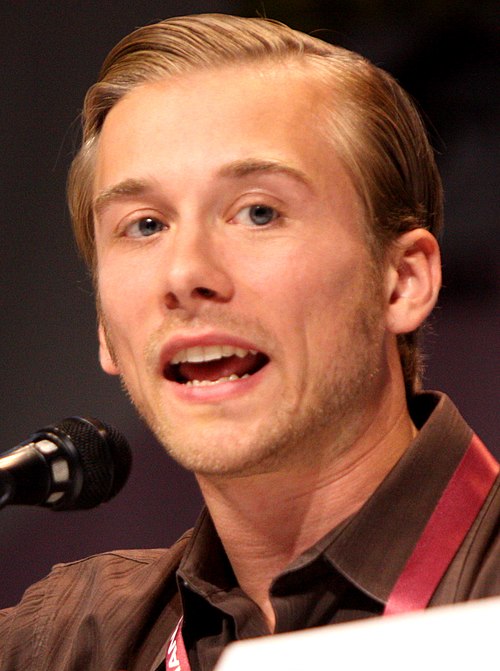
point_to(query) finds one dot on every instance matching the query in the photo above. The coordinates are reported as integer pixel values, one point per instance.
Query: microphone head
(100, 461)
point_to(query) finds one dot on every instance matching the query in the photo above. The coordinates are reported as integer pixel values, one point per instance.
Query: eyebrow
(251, 166)
(126, 189)
(131, 187)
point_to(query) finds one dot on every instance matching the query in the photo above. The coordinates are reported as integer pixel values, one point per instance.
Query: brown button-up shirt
(116, 610)
(349, 574)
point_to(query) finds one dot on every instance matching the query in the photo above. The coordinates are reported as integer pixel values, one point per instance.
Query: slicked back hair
(371, 123)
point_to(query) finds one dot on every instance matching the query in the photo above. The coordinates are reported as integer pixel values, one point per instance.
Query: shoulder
(474, 572)
(118, 566)
(481, 554)
(115, 591)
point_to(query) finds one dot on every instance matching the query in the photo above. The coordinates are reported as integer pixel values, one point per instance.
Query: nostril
(171, 300)
(204, 292)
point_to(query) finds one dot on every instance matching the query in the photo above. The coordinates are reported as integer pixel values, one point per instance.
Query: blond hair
(372, 126)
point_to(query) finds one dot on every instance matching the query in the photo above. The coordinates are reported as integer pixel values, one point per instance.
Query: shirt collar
(371, 547)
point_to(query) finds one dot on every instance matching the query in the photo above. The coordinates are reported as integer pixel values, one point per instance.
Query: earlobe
(414, 280)
(106, 356)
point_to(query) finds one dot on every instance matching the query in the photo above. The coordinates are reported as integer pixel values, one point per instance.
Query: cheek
(304, 278)
(304, 296)
(125, 286)
(124, 305)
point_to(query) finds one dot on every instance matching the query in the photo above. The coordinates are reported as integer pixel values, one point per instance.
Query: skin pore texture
(225, 222)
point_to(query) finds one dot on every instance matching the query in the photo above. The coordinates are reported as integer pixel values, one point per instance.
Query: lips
(213, 364)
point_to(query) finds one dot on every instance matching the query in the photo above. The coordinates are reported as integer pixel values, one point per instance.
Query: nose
(195, 270)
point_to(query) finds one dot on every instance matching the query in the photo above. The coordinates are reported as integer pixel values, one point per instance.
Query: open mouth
(214, 364)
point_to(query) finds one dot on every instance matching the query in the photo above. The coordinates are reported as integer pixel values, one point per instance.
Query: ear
(106, 356)
(414, 280)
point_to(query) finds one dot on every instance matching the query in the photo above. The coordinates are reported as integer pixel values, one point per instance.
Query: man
(259, 210)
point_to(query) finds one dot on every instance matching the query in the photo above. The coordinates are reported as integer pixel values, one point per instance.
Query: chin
(218, 453)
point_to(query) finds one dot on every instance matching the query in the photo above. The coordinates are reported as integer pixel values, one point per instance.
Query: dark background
(441, 51)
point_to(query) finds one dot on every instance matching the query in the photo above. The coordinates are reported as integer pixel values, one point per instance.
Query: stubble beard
(322, 430)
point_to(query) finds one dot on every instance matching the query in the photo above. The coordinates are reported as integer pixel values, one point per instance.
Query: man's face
(227, 230)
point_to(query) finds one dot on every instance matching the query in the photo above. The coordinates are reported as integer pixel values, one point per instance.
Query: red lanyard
(446, 529)
(177, 659)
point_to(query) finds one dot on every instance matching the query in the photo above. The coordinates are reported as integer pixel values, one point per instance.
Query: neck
(266, 521)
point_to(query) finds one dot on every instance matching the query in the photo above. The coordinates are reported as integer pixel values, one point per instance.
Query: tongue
(213, 370)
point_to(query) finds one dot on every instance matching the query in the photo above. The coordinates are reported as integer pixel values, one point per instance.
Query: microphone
(75, 464)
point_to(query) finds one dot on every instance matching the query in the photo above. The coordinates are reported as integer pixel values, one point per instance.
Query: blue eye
(262, 214)
(257, 215)
(145, 227)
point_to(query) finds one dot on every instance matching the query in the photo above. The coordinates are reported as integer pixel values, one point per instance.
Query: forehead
(265, 104)
(195, 124)
(263, 85)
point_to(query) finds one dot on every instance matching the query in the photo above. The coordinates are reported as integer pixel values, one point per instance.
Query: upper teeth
(210, 353)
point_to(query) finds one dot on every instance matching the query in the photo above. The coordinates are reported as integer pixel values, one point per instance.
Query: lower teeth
(206, 383)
